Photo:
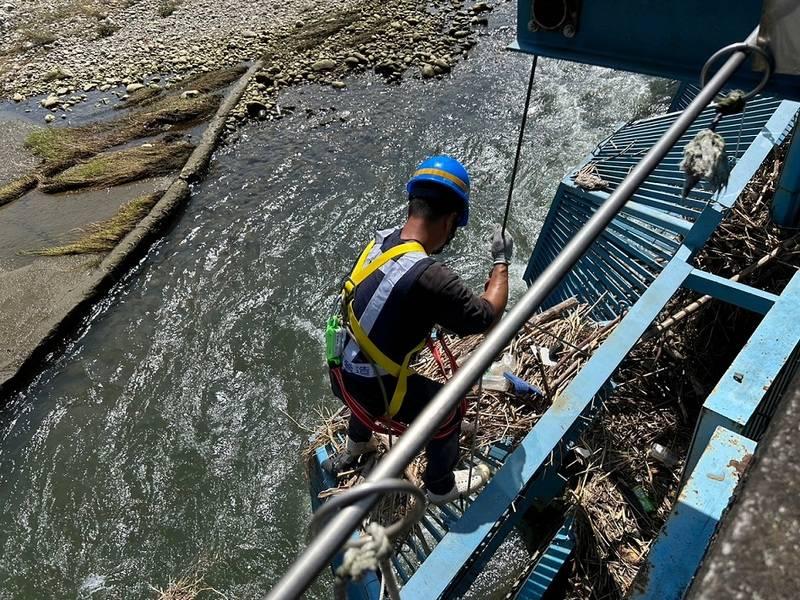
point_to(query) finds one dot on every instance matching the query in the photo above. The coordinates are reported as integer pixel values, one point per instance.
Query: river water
(168, 434)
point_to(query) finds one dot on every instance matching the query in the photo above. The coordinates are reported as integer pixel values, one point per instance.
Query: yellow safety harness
(372, 352)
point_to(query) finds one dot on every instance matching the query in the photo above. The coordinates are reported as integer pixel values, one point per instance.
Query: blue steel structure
(549, 564)
(685, 537)
(786, 204)
(732, 420)
(745, 398)
(653, 225)
(666, 39)
(635, 268)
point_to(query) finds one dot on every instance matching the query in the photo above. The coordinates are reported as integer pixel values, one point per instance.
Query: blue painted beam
(737, 396)
(541, 451)
(733, 292)
(682, 542)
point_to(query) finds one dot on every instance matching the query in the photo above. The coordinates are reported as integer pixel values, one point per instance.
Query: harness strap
(360, 273)
(437, 356)
(383, 424)
(400, 371)
(450, 356)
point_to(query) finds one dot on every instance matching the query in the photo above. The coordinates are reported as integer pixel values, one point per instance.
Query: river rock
(249, 33)
(256, 109)
(89, 87)
(62, 91)
(480, 7)
(442, 64)
(427, 71)
(264, 78)
(190, 94)
(50, 101)
(132, 87)
(360, 57)
(352, 61)
(18, 97)
(324, 64)
(339, 85)
(461, 33)
(49, 118)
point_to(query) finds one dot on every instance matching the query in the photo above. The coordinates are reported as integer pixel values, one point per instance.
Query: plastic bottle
(644, 499)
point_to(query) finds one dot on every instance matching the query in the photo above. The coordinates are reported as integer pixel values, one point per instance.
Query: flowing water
(169, 433)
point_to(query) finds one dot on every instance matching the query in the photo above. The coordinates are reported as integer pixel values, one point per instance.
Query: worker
(392, 300)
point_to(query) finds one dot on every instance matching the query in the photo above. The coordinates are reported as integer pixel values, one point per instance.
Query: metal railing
(338, 530)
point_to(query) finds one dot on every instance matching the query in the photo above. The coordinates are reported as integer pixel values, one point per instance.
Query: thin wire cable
(519, 141)
(472, 445)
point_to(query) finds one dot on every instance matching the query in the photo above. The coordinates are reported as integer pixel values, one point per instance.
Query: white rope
(367, 556)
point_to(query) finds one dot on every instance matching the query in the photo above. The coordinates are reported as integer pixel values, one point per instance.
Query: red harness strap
(437, 356)
(384, 424)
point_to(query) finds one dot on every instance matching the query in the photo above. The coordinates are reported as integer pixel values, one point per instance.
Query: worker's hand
(502, 249)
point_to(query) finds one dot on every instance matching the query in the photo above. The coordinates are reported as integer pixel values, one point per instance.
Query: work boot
(349, 455)
(463, 485)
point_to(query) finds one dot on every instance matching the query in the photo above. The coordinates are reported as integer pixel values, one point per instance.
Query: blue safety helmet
(443, 171)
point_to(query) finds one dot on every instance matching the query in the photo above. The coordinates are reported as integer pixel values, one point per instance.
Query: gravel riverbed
(65, 49)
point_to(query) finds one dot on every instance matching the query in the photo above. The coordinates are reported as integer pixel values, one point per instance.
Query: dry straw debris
(62, 147)
(17, 188)
(189, 587)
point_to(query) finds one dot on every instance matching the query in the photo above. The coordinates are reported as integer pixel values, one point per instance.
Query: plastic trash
(495, 383)
(543, 352)
(493, 379)
(521, 386)
(662, 455)
(583, 453)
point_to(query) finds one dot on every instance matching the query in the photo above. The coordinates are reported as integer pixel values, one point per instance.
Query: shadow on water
(170, 432)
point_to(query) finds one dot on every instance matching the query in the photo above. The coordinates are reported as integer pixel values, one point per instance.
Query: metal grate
(757, 424)
(646, 234)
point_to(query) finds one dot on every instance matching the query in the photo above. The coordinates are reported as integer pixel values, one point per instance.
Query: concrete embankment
(42, 302)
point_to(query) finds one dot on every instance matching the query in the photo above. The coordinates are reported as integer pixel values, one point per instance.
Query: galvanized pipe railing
(330, 539)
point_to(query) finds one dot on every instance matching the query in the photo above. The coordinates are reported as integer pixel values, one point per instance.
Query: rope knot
(732, 103)
(367, 556)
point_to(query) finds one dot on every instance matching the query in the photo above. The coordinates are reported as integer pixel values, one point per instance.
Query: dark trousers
(441, 454)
